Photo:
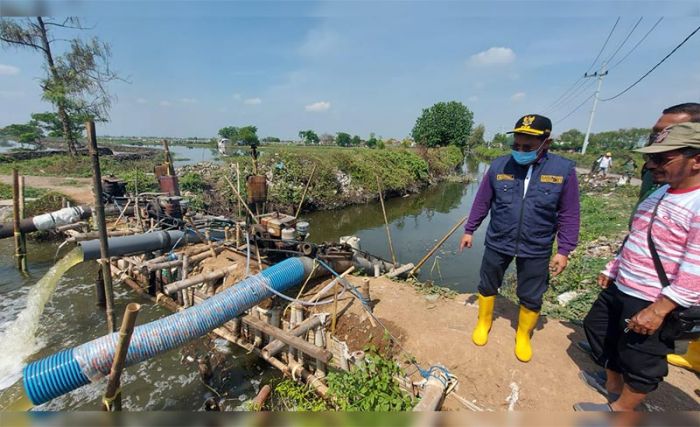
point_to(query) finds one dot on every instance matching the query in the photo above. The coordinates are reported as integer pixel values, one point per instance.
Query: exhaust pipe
(139, 243)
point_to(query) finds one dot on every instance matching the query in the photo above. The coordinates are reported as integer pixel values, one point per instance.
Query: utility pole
(600, 74)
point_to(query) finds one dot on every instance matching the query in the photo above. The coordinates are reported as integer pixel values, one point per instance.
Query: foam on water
(18, 338)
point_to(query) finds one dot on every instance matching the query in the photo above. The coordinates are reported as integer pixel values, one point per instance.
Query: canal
(171, 381)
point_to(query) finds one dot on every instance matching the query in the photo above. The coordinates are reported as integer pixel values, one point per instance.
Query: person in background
(629, 167)
(625, 324)
(532, 196)
(604, 164)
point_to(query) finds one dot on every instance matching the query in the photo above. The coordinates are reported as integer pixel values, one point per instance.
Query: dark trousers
(533, 277)
(641, 359)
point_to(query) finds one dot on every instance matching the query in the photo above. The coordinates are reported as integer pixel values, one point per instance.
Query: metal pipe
(113, 394)
(139, 243)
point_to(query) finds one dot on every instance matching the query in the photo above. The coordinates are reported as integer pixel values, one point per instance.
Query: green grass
(78, 166)
(29, 192)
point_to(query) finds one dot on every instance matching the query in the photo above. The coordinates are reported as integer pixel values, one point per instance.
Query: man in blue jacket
(532, 196)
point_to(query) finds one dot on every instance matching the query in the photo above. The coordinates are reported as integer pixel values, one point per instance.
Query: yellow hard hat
(608, 153)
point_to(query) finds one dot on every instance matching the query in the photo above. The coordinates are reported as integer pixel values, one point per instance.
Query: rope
(108, 401)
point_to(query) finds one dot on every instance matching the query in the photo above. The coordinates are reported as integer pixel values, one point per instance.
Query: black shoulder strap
(652, 248)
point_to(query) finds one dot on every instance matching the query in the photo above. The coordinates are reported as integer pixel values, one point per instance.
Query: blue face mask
(526, 157)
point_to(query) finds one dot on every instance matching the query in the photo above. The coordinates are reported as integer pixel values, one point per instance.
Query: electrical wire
(636, 45)
(612, 30)
(575, 109)
(574, 96)
(607, 61)
(654, 67)
(578, 83)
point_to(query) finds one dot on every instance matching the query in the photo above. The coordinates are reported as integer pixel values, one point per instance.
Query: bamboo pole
(101, 224)
(111, 400)
(437, 245)
(276, 345)
(238, 185)
(18, 213)
(386, 221)
(173, 287)
(306, 188)
(238, 194)
(291, 340)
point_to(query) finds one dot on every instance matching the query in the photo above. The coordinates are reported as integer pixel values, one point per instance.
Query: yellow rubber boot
(689, 360)
(527, 320)
(483, 324)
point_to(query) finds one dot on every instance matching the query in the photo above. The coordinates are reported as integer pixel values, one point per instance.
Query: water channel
(171, 381)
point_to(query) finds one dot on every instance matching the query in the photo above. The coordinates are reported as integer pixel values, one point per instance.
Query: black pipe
(139, 243)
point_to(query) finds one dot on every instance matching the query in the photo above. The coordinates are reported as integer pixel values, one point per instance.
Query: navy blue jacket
(526, 226)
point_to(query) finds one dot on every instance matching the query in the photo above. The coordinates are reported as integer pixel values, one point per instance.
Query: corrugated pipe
(139, 243)
(70, 369)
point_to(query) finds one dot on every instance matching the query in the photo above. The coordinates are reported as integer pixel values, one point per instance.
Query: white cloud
(236, 96)
(164, 104)
(8, 70)
(141, 101)
(318, 106)
(493, 56)
(517, 96)
(188, 100)
(253, 101)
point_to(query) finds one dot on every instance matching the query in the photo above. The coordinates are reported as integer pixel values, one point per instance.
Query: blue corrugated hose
(70, 369)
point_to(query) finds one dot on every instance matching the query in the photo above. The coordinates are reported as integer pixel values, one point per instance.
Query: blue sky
(362, 67)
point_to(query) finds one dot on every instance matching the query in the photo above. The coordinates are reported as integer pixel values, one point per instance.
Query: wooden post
(437, 245)
(18, 213)
(112, 400)
(238, 185)
(100, 289)
(168, 158)
(101, 224)
(303, 195)
(386, 221)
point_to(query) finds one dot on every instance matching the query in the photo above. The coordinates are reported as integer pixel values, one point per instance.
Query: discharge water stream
(19, 339)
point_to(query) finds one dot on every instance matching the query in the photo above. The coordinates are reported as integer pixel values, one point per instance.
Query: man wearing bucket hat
(532, 196)
(624, 325)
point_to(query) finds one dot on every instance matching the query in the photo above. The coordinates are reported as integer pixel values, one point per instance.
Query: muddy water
(416, 223)
(167, 382)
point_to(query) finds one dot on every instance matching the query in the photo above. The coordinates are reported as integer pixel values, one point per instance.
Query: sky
(361, 67)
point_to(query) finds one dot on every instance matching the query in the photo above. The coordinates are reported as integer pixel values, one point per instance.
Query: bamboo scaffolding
(173, 287)
(386, 221)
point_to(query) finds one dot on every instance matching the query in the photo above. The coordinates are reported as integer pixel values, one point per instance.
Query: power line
(624, 41)
(575, 109)
(655, 66)
(612, 30)
(638, 43)
(573, 96)
(582, 79)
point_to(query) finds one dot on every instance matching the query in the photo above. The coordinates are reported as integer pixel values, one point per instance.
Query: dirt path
(438, 331)
(79, 189)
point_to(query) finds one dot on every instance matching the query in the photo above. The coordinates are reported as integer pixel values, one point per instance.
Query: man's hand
(604, 281)
(466, 242)
(648, 320)
(558, 264)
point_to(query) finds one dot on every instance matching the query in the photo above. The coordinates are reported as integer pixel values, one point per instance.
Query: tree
(25, 133)
(327, 139)
(309, 136)
(229, 132)
(343, 139)
(501, 140)
(445, 123)
(476, 137)
(372, 142)
(53, 126)
(75, 82)
(572, 139)
(356, 141)
(270, 139)
(249, 135)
